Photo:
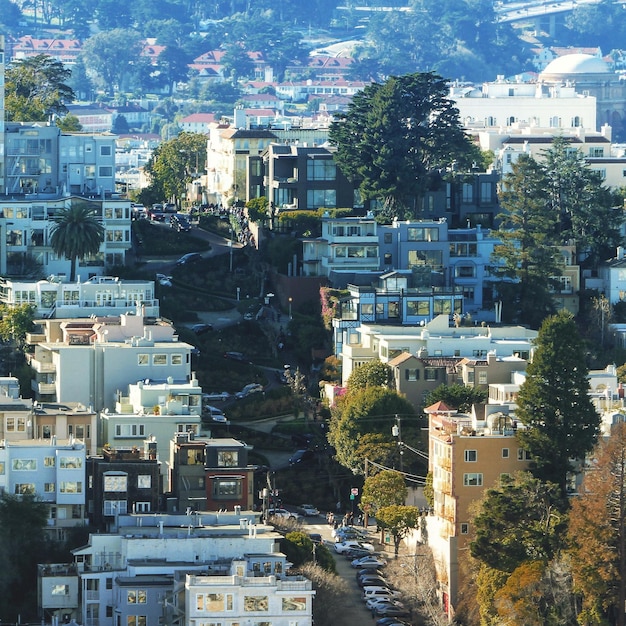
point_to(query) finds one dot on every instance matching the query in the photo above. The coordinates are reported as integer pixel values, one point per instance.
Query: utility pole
(366, 517)
(396, 431)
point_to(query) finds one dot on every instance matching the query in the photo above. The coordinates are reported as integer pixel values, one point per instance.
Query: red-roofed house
(64, 50)
(198, 122)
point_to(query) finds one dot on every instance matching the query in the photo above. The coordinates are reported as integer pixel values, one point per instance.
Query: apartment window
(130, 430)
(394, 308)
(143, 359)
(49, 487)
(255, 603)
(596, 152)
(467, 193)
(142, 507)
(136, 596)
(105, 171)
(115, 507)
(116, 483)
(486, 192)
(24, 465)
(60, 590)
(505, 453)
(214, 601)
(442, 306)
(473, 480)
(70, 486)
(430, 374)
(136, 620)
(523, 455)
(159, 359)
(321, 169)
(431, 258)
(482, 378)
(227, 488)
(423, 234)
(316, 198)
(49, 461)
(176, 359)
(418, 307)
(464, 529)
(465, 271)
(471, 456)
(70, 462)
(388, 238)
(411, 374)
(367, 309)
(227, 458)
(388, 258)
(144, 481)
(24, 488)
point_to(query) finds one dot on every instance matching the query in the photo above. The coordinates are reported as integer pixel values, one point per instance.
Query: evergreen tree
(526, 260)
(374, 373)
(395, 134)
(560, 421)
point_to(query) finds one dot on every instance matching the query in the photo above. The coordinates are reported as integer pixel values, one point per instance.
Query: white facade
(99, 295)
(535, 105)
(110, 353)
(367, 342)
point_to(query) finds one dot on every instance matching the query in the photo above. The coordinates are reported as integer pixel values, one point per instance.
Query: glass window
(471, 456)
(177, 359)
(423, 234)
(228, 458)
(294, 604)
(393, 309)
(321, 169)
(411, 374)
(143, 359)
(418, 307)
(144, 481)
(464, 528)
(430, 373)
(321, 198)
(159, 359)
(70, 462)
(227, 489)
(105, 150)
(505, 453)
(473, 480)
(367, 309)
(432, 258)
(255, 603)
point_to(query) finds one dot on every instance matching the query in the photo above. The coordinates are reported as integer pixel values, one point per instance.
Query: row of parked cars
(377, 592)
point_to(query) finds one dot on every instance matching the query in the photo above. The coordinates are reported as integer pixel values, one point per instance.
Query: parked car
(368, 562)
(380, 592)
(370, 581)
(284, 513)
(156, 214)
(249, 389)
(341, 547)
(388, 609)
(342, 533)
(235, 356)
(201, 329)
(315, 537)
(164, 280)
(189, 258)
(378, 603)
(216, 395)
(308, 510)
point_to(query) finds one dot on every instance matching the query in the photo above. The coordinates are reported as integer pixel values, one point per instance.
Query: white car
(284, 513)
(372, 603)
(344, 546)
(249, 389)
(308, 510)
(380, 592)
(368, 562)
(164, 280)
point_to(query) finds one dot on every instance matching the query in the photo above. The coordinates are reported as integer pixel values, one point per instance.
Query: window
(60, 590)
(321, 169)
(136, 620)
(159, 359)
(486, 192)
(418, 307)
(136, 597)
(227, 458)
(388, 258)
(142, 507)
(367, 309)
(176, 359)
(464, 528)
(465, 271)
(143, 359)
(115, 507)
(423, 234)
(144, 481)
(473, 480)
(70, 486)
(316, 198)
(393, 309)
(294, 604)
(523, 455)
(387, 238)
(24, 488)
(105, 171)
(482, 378)
(430, 373)
(105, 150)
(467, 193)
(70, 462)
(130, 430)
(505, 453)
(116, 483)
(411, 374)
(471, 456)
(214, 602)
(442, 306)
(227, 489)
(49, 461)
(24, 465)
(49, 487)
(596, 152)
(255, 603)
(431, 258)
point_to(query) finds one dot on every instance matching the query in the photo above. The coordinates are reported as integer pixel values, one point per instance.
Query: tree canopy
(597, 533)
(395, 136)
(369, 410)
(36, 88)
(399, 520)
(457, 396)
(387, 488)
(560, 420)
(373, 373)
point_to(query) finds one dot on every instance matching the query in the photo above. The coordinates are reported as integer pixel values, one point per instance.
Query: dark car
(235, 356)
(189, 258)
(180, 223)
(301, 456)
(201, 329)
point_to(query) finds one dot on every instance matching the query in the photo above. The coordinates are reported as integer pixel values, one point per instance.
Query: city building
(210, 474)
(52, 470)
(109, 352)
(56, 297)
(139, 573)
(467, 454)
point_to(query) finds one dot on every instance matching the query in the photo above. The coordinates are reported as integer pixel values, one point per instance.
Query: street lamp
(396, 431)
(230, 243)
(290, 301)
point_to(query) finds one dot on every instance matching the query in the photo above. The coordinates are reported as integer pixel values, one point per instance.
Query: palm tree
(77, 232)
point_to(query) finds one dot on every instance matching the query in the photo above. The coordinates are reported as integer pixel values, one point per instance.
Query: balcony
(46, 389)
(42, 367)
(33, 338)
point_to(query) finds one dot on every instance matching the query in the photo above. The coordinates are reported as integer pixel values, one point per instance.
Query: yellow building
(467, 454)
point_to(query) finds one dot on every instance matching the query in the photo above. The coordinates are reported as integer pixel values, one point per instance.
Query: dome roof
(576, 64)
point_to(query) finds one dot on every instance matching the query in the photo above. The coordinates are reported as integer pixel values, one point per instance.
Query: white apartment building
(365, 342)
(53, 470)
(140, 575)
(98, 295)
(109, 353)
(159, 410)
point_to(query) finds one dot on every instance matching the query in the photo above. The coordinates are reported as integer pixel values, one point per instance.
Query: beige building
(467, 454)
